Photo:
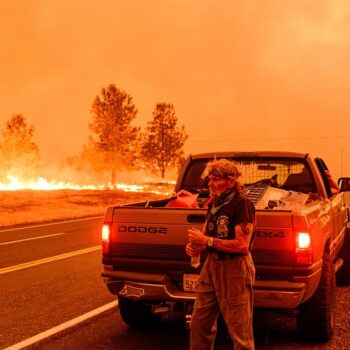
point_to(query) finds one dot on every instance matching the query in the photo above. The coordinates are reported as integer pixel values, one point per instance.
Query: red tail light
(303, 249)
(106, 234)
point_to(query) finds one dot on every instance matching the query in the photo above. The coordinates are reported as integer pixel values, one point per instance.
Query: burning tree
(19, 154)
(163, 141)
(115, 138)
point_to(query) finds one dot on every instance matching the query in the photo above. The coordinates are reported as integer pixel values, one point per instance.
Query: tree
(115, 138)
(19, 154)
(162, 142)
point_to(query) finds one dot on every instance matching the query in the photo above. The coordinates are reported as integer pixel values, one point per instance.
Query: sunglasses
(219, 173)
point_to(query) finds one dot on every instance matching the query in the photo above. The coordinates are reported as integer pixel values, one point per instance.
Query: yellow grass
(27, 206)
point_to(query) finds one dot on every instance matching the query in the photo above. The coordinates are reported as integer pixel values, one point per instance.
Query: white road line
(50, 224)
(32, 238)
(47, 260)
(62, 327)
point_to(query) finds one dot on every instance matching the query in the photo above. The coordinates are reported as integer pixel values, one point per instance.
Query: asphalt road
(38, 295)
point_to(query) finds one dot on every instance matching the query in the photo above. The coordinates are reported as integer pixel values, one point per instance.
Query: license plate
(190, 282)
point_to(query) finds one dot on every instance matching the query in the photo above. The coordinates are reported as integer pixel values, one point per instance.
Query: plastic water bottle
(196, 260)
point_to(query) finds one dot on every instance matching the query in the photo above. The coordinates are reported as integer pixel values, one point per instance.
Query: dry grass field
(28, 206)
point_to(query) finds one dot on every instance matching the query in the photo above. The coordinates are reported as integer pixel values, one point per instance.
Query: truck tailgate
(155, 233)
(274, 243)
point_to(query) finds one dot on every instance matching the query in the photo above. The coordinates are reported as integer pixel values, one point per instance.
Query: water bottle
(195, 260)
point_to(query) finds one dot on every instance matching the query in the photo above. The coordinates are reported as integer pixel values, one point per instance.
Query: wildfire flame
(13, 183)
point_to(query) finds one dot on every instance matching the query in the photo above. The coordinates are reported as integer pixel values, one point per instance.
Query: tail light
(106, 235)
(303, 249)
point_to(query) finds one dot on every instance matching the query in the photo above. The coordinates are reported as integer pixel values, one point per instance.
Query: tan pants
(226, 286)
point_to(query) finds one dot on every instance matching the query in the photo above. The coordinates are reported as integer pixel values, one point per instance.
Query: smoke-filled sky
(242, 75)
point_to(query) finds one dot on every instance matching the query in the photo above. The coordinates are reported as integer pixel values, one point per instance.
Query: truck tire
(137, 314)
(316, 317)
(343, 274)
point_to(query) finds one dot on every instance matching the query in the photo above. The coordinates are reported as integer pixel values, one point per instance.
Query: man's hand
(197, 242)
(194, 250)
(196, 236)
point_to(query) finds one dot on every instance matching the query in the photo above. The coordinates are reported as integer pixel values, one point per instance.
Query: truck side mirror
(344, 184)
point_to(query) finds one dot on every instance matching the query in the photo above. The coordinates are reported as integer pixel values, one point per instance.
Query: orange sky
(243, 75)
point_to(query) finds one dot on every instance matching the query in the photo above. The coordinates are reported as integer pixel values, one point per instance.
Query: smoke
(242, 74)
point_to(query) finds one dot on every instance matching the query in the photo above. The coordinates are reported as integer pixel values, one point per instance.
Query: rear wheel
(316, 317)
(343, 274)
(137, 314)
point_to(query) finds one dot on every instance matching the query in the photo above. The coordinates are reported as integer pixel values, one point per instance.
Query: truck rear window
(287, 174)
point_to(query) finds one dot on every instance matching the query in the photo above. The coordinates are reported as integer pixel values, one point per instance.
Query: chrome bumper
(267, 294)
(144, 286)
(278, 294)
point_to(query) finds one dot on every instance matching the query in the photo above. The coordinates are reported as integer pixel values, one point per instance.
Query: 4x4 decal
(269, 234)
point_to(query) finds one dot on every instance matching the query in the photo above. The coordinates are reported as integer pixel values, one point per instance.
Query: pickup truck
(297, 250)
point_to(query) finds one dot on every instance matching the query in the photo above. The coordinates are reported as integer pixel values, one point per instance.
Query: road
(43, 287)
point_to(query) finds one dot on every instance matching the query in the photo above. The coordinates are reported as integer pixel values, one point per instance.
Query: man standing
(228, 274)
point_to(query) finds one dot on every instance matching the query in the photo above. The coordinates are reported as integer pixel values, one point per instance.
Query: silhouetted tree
(89, 160)
(19, 154)
(115, 138)
(162, 141)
